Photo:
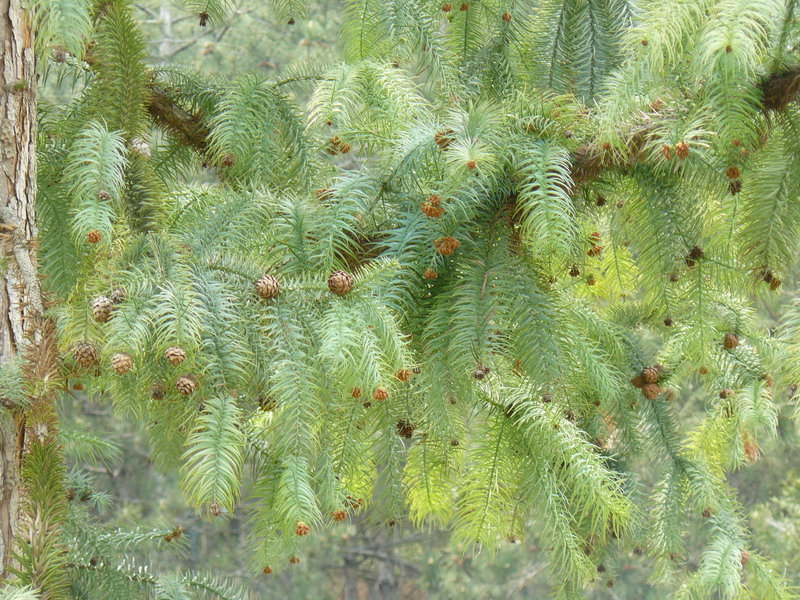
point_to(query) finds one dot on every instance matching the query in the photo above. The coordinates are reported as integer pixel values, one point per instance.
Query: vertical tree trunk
(20, 293)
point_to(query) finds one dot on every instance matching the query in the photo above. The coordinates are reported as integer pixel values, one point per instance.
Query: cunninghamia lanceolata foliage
(525, 335)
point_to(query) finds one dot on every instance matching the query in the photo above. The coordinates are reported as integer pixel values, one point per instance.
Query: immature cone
(117, 295)
(103, 195)
(733, 172)
(745, 559)
(651, 391)
(731, 341)
(447, 245)
(507, 17)
(85, 354)
(707, 513)
(94, 236)
(301, 529)
(404, 374)
(405, 429)
(574, 271)
(186, 384)
(158, 391)
(380, 394)
(430, 274)
(267, 570)
(444, 138)
(432, 207)
(294, 559)
(175, 355)
(339, 515)
(356, 393)
(650, 375)
(727, 393)
(682, 150)
(121, 363)
(101, 308)
(215, 509)
(340, 282)
(668, 321)
(267, 287)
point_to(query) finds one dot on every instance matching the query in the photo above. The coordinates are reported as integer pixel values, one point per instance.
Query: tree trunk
(21, 303)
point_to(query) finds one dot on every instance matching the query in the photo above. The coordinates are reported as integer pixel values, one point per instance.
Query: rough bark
(21, 303)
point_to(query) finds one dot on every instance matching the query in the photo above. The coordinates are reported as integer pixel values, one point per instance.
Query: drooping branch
(589, 160)
(166, 112)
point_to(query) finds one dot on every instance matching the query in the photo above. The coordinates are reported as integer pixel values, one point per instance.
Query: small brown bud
(94, 236)
(730, 342)
(301, 529)
(380, 394)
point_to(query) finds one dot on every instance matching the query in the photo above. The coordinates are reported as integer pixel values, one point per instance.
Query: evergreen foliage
(541, 206)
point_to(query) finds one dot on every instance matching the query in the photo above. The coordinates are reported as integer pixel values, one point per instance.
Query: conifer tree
(465, 283)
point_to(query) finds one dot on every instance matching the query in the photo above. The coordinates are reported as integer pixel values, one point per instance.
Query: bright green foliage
(536, 201)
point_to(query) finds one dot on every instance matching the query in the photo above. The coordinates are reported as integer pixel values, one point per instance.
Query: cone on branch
(380, 394)
(121, 363)
(340, 282)
(267, 287)
(302, 529)
(186, 384)
(85, 354)
(447, 245)
(730, 342)
(651, 391)
(339, 515)
(94, 236)
(101, 308)
(175, 355)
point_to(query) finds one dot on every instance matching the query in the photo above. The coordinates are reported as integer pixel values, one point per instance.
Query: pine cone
(668, 322)
(405, 429)
(404, 374)
(340, 282)
(745, 559)
(103, 196)
(574, 271)
(356, 393)
(682, 150)
(651, 391)
(216, 509)
(117, 295)
(175, 355)
(430, 274)
(301, 529)
(637, 381)
(85, 354)
(447, 245)
(727, 393)
(444, 138)
(707, 513)
(447, 7)
(294, 559)
(432, 207)
(186, 384)
(101, 308)
(650, 375)
(507, 17)
(121, 363)
(158, 391)
(94, 236)
(339, 515)
(380, 394)
(267, 287)
(267, 570)
(730, 342)
(733, 172)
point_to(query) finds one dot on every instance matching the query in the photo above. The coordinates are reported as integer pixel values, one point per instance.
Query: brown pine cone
(380, 394)
(405, 429)
(175, 355)
(339, 515)
(650, 375)
(340, 282)
(730, 342)
(651, 391)
(430, 274)
(447, 245)
(94, 236)
(267, 570)
(101, 308)
(404, 374)
(682, 150)
(85, 354)
(727, 393)
(294, 559)
(356, 393)
(267, 287)
(121, 363)
(444, 138)
(117, 295)
(301, 529)
(186, 384)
